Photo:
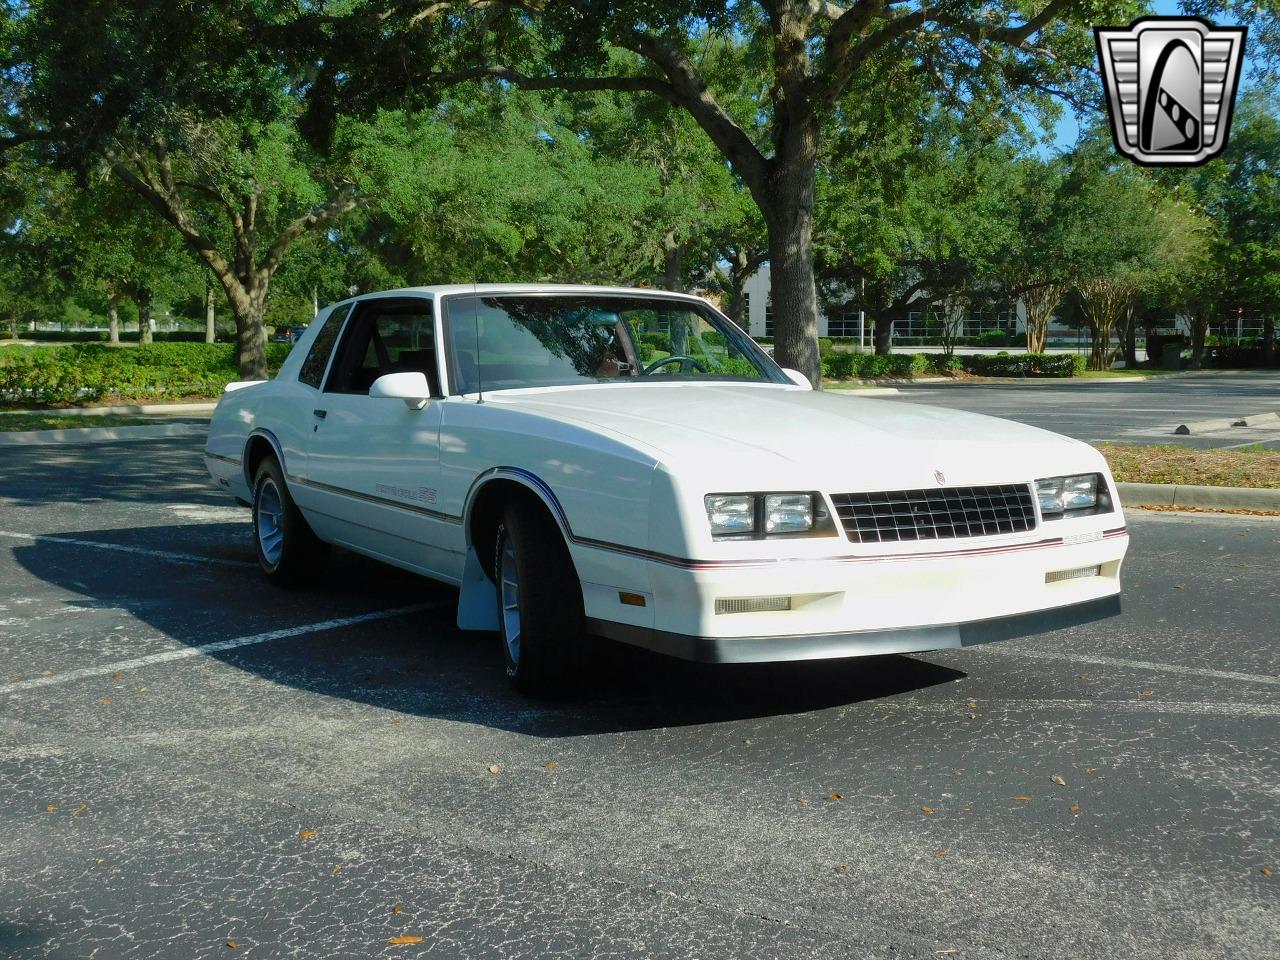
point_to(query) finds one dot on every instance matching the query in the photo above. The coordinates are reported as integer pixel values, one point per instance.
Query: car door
(373, 463)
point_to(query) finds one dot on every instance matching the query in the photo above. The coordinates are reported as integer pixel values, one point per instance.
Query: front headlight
(731, 514)
(753, 516)
(1075, 495)
(788, 512)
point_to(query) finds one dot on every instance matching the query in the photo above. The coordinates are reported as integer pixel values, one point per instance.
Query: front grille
(893, 516)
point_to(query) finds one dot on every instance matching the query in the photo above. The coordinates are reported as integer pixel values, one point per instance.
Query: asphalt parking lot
(195, 764)
(1125, 412)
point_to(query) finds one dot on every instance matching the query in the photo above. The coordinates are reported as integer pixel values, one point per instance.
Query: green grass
(55, 421)
(1252, 466)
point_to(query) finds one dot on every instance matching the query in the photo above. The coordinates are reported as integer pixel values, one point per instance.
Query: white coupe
(606, 462)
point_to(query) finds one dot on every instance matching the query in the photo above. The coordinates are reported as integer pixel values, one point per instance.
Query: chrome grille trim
(945, 513)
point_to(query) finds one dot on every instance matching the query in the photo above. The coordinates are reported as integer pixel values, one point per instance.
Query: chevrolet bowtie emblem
(939, 476)
(1170, 85)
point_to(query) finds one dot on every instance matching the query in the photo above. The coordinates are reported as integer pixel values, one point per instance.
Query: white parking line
(124, 548)
(987, 707)
(216, 647)
(1132, 664)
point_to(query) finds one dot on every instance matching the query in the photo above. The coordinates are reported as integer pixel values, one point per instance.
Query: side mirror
(411, 387)
(798, 378)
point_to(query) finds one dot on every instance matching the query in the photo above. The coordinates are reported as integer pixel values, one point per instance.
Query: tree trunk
(673, 264)
(1040, 302)
(210, 314)
(788, 216)
(1130, 340)
(1199, 330)
(1100, 344)
(251, 344)
(13, 325)
(881, 332)
(1269, 340)
(113, 318)
(143, 300)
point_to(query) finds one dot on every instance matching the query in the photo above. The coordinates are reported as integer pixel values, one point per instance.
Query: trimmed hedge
(1026, 365)
(87, 372)
(863, 366)
(100, 336)
(659, 341)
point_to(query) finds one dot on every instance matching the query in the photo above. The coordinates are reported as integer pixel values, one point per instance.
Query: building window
(842, 322)
(768, 316)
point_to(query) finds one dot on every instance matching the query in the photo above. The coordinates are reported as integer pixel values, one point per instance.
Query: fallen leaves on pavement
(306, 834)
(1059, 779)
(405, 939)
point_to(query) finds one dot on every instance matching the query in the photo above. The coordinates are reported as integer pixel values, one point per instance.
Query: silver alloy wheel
(510, 601)
(270, 528)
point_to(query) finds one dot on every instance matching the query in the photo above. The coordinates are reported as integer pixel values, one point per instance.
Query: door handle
(321, 414)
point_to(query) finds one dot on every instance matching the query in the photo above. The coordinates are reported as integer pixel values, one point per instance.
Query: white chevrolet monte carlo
(605, 462)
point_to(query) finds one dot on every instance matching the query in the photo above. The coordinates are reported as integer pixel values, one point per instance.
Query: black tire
(301, 553)
(551, 656)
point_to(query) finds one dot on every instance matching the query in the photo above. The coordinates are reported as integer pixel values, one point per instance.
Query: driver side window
(386, 336)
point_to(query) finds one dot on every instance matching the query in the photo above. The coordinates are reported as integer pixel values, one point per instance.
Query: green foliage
(994, 338)
(866, 366)
(863, 366)
(89, 372)
(659, 341)
(1026, 365)
(100, 336)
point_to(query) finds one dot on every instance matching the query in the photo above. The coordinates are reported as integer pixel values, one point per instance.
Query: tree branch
(690, 91)
(318, 219)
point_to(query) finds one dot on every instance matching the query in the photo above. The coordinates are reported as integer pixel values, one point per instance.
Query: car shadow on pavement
(420, 663)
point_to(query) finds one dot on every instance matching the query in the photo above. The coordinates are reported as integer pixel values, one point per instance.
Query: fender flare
(528, 480)
(275, 447)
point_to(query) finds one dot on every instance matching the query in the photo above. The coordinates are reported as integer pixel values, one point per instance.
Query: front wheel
(288, 551)
(540, 616)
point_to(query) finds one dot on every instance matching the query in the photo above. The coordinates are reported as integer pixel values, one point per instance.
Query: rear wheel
(288, 550)
(540, 617)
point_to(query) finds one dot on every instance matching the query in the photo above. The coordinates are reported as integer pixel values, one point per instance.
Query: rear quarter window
(312, 371)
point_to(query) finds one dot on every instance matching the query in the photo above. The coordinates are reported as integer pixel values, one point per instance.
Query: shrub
(825, 347)
(858, 366)
(86, 372)
(941, 363)
(100, 336)
(1025, 365)
(993, 338)
(659, 341)
(839, 366)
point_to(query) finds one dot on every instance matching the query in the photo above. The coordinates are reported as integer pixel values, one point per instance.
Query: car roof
(447, 289)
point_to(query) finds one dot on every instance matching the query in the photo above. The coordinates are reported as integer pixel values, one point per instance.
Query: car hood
(763, 435)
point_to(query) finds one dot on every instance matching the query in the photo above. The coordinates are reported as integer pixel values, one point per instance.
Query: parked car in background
(287, 334)
(531, 445)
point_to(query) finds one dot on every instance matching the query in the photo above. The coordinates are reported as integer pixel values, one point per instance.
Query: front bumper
(864, 643)
(849, 606)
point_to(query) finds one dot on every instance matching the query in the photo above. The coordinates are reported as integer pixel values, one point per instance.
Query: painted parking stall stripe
(126, 548)
(1205, 672)
(216, 647)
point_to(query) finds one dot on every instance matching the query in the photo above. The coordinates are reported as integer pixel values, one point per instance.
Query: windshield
(505, 342)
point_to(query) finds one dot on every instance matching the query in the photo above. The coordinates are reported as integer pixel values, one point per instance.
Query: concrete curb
(124, 409)
(1192, 495)
(1204, 426)
(864, 391)
(27, 438)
